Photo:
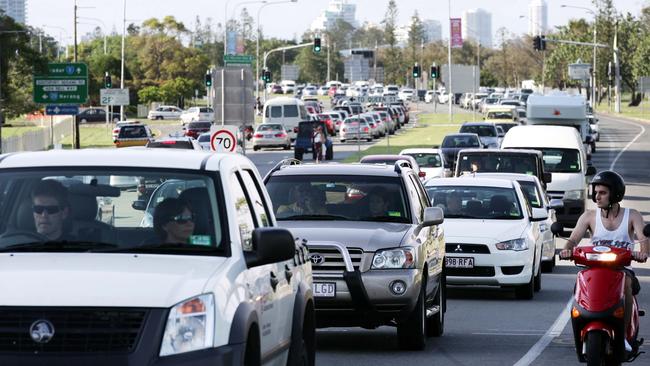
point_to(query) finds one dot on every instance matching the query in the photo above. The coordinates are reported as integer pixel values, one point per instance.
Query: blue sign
(61, 110)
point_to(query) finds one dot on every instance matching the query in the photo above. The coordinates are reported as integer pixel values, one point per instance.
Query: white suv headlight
(394, 258)
(578, 194)
(190, 326)
(515, 244)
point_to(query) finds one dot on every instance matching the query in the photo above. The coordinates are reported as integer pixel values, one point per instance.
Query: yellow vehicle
(133, 135)
(501, 113)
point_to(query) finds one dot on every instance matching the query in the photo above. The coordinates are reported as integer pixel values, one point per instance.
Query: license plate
(459, 262)
(268, 136)
(325, 289)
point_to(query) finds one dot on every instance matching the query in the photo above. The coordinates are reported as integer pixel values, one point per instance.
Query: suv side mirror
(538, 215)
(433, 216)
(591, 170)
(271, 245)
(548, 177)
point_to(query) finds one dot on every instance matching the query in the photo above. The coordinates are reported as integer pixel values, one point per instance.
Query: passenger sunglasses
(182, 219)
(51, 210)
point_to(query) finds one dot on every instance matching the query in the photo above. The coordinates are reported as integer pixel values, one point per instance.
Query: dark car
(194, 129)
(453, 143)
(276, 89)
(95, 115)
(305, 140)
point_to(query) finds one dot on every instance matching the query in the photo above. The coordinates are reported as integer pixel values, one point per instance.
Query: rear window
(291, 110)
(171, 144)
(499, 115)
(487, 203)
(276, 111)
(264, 127)
(460, 141)
(483, 131)
(206, 110)
(200, 125)
(495, 163)
(133, 132)
(426, 160)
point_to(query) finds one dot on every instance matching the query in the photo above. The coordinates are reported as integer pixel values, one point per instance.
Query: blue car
(305, 141)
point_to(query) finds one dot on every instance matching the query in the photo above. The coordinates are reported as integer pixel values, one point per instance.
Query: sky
(289, 20)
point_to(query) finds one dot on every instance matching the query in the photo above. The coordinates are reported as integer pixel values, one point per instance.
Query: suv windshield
(426, 160)
(486, 203)
(110, 210)
(483, 131)
(340, 197)
(561, 160)
(495, 163)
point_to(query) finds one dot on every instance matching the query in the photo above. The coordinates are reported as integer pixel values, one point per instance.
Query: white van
(564, 157)
(287, 111)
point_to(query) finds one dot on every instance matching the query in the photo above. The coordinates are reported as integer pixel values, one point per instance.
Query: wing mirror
(433, 216)
(555, 204)
(139, 205)
(271, 245)
(548, 177)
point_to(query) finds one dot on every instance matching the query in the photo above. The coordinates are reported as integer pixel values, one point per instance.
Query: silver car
(355, 128)
(271, 135)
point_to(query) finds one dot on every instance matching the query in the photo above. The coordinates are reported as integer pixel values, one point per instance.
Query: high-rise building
(14, 9)
(537, 17)
(432, 32)
(337, 9)
(477, 25)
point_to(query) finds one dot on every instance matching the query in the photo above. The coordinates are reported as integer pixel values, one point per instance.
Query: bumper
(355, 136)
(569, 214)
(270, 142)
(504, 268)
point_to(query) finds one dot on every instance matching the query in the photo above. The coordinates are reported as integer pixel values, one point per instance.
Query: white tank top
(619, 238)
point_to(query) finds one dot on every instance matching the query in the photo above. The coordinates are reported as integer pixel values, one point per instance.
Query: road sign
(223, 139)
(61, 110)
(114, 96)
(238, 59)
(375, 99)
(579, 71)
(65, 83)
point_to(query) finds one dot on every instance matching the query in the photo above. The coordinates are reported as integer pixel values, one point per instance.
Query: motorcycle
(598, 310)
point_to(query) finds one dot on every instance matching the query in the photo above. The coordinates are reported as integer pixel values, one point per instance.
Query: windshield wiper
(503, 217)
(314, 217)
(58, 246)
(386, 219)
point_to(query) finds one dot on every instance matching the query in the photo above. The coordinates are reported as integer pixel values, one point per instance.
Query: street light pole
(449, 92)
(122, 62)
(593, 64)
(75, 30)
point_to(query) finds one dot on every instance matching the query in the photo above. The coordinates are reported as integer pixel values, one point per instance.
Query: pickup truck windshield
(341, 197)
(109, 210)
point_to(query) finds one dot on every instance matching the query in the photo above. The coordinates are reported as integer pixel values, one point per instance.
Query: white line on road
(562, 320)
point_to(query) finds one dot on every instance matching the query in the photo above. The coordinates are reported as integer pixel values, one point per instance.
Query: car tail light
(172, 142)
(258, 136)
(422, 174)
(365, 129)
(280, 135)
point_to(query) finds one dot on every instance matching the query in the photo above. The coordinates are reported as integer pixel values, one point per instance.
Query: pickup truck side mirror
(433, 216)
(271, 245)
(548, 177)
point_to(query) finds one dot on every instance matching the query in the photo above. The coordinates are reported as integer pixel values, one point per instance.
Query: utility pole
(75, 30)
(327, 43)
(122, 61)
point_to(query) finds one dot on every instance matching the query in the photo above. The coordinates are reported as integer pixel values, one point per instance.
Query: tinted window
(206, 110)
(204, 138)
(171, 144)
(265, 127)
(495, 163)
(460, 141)
(291, 110)
(200, 125)
(507, 126)
(532, 194)
(483, 131)
(476, 202)
(426, 160)
(255, 195)
(276, 111)
(339, 197)
(133, 132)
(561, 160)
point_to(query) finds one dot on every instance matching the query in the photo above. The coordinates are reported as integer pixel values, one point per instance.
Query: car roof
(422, 150)
(472, 181)
(461, 134)
(503, 151)
(123, 158)
(545, 136)
(508, 176)
(337, 169)
(478, 124)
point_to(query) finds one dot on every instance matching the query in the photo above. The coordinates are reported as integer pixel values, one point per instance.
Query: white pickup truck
(213, 282)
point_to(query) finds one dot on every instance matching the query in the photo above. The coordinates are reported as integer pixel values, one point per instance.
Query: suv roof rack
(282, 163)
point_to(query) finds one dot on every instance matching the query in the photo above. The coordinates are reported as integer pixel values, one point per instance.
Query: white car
(196, 114)
(492, 234)
(431, 161)
(355, 128)
(429, 96)
(165, 112)
(323, 90)
(271, 135)
(216, 282)
(443, 97)
(309, 90)
(406, 94)
(204, 140)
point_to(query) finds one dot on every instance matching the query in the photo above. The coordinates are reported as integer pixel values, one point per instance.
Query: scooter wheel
(596, 348)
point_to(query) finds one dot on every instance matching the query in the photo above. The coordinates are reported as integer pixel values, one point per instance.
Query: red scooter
(598, 311)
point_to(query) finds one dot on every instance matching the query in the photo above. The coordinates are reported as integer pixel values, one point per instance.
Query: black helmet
(613, 181)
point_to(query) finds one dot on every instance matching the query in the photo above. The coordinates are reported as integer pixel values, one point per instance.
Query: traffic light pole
(286, 48)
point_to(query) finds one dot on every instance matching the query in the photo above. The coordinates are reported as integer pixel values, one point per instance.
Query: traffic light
(208, 80)
(317, 45)
(542, 43)
(107, 81)
(539, 43)
(416, 71)
(267, 76)
(435, 72)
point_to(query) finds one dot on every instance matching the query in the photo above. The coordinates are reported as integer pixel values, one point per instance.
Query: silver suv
(376, 245)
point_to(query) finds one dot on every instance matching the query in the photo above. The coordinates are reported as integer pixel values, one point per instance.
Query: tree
(392, 58)
(176, 90)
(415, 37)
(149, 94)
(313, 67)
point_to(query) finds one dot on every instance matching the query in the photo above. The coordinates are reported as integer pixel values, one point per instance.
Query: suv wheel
(411, 332)
(436, 323)
(255, 148)
(303, 349)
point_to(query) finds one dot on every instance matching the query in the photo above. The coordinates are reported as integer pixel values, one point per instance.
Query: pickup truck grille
(78, 330)
(333, 260)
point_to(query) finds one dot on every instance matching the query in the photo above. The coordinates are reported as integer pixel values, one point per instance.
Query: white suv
(215, 281)
(165, 112)
(196, 114)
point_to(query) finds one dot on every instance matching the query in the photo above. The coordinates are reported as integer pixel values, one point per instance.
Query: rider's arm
(579, 231)
(637, 225)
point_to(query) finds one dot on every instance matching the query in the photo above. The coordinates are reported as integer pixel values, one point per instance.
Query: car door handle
(287, 273)
(274, 281)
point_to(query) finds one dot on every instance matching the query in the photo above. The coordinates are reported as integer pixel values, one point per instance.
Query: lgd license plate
(325, 289)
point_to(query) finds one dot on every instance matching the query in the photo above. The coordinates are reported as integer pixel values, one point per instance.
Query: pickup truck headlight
(515, 244)
(190, 326)
(578, 194)
(394, 258)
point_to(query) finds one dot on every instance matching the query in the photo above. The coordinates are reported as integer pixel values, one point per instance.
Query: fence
(38, 140)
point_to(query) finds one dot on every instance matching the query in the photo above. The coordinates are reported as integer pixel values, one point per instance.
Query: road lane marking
(611, 167)
(554, 331)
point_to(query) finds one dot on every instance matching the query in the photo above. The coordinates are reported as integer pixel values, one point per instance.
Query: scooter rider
(614, 226)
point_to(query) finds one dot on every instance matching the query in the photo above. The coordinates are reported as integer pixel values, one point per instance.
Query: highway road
(488, 326)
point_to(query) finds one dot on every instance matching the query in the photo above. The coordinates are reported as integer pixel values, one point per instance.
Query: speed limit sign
(223, 140)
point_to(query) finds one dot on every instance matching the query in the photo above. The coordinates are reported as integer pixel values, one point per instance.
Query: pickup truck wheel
(436, 323)
(411, 333)
(252, 355)
(303, 349)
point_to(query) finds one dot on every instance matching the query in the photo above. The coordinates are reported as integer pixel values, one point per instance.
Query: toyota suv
(214, 281)
(376, 245)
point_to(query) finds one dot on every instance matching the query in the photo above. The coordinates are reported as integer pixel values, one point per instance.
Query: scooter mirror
(557, 229)
(646, 230)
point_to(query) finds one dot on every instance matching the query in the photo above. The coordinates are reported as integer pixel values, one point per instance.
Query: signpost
(114, 96)
(237, 60)
(224, 139)
(61, 110)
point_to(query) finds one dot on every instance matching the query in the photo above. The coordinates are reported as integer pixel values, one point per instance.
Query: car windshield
(483, 131)
(339, 197)
(110, 210)
(499, 115)
(495, 163)
(475, 202)
(561, 160)
(133, 132)
(427, 160)
(460, 141)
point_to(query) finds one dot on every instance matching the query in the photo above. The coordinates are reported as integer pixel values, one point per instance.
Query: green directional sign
(238, 59)
(64, 83)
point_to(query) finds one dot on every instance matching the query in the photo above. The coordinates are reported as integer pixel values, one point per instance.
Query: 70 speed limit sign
(223, 140)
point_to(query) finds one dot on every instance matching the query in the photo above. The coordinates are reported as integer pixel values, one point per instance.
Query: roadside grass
(96, 137)
(429, 132)
(8, 132)
(642, 112)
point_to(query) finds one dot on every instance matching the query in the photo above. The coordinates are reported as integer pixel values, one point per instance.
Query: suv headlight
(515, 244)
(394, 258)
(578, 194)
(190, 326)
